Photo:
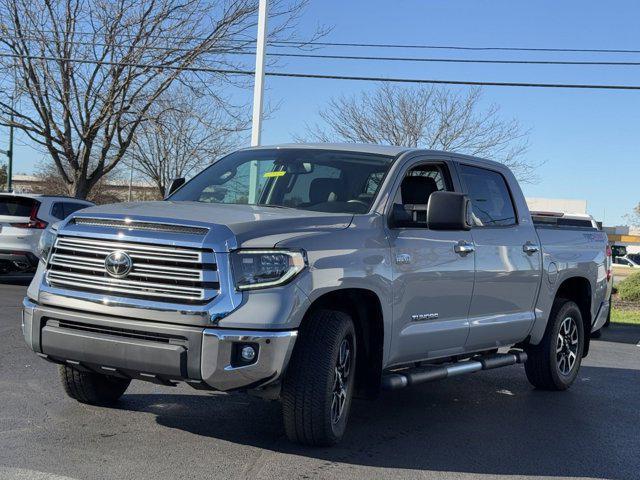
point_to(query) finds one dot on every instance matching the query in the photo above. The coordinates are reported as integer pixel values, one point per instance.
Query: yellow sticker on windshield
(279, 173)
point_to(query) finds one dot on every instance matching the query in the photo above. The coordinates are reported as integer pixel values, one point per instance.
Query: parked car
(310, 273)
(23, 218)
(634, 257)
(626, 261)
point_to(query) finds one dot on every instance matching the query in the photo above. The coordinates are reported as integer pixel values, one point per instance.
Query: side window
(70, 208)
(417, 186)
(490, 198)
(58, 211)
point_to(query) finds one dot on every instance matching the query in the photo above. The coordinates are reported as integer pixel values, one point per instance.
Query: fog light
(248, 353)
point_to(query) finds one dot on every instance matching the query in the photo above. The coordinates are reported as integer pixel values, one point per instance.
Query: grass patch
(627, 317)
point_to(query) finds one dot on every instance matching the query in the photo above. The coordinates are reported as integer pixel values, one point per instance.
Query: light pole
(258, 90)
(256, 124)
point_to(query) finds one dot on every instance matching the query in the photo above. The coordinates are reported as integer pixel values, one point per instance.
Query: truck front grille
(161, 273)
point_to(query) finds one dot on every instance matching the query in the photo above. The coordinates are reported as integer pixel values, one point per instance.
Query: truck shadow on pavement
(488, 423)
(621, 333)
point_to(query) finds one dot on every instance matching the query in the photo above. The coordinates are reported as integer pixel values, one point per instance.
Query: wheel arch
(578, 289)
(365, 309)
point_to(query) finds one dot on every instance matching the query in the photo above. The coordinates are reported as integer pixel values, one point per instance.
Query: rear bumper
(163, 353)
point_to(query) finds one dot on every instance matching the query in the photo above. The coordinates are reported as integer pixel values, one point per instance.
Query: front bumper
(163, 353)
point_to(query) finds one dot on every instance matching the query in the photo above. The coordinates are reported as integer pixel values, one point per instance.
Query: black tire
(547, 367)
(92, 388)
(315, 398)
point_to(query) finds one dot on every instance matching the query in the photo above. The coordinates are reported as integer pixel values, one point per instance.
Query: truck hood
(253, 226)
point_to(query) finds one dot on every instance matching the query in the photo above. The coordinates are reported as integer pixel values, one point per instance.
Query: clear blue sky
(588, 140)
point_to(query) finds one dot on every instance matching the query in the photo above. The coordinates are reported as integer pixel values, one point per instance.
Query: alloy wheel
(567, 346)
(341, 380)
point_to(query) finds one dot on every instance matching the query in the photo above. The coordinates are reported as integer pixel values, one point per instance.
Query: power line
(311, 43)
(378, 58)
(455, 82)
(454, 60)
(332, 77)
(457, 47)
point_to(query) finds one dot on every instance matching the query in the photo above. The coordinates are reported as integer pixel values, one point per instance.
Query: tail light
(34, 221)
(609, 262)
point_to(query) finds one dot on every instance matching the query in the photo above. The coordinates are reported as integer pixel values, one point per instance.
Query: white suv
(23, 218)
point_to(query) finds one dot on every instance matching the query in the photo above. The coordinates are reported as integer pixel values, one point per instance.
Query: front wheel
(553, 364)
(92, 388)
(319, 383)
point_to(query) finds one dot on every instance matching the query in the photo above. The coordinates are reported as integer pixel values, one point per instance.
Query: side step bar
(413, 376)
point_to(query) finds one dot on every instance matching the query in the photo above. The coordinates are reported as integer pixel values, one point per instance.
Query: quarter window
(58, 211)
(490, 198)
(70, 208)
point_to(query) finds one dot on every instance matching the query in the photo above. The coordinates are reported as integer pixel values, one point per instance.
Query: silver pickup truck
(310, 273)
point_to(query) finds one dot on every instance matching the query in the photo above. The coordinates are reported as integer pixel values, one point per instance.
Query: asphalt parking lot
(487, 425)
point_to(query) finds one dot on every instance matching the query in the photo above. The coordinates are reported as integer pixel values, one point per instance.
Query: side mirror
(448, 211)
(175, 184)
(400, 217)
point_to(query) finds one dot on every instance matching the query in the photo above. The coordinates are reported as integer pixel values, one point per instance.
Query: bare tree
(51, 183)
(86, 73)
(634, 217)
(185, 135)
(426, 117)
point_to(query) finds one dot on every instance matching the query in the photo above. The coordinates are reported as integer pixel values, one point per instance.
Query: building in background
(110, 192)
(560, 205)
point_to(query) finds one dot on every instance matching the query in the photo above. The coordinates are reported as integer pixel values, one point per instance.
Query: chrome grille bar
(56, 278)
(165, 273)
(133, 249)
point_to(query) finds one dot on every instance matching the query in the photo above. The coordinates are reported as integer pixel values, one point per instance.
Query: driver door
(432, 284)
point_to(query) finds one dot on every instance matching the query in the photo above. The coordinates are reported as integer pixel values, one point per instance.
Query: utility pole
(256, 124)
(258, 90)
(131, 182)
(10, 156)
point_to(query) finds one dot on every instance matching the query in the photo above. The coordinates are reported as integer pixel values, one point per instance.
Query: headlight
(47, 240)
(266, 268)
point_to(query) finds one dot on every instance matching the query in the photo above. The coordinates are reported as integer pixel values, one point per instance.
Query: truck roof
(390, 150)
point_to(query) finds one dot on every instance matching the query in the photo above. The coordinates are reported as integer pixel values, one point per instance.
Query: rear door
(432, 284)
(508, 260)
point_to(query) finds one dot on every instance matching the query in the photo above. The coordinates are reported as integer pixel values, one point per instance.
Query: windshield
(319, 180)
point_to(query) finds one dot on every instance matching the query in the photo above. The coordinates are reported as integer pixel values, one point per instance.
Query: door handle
(463, 248)
(530, 248)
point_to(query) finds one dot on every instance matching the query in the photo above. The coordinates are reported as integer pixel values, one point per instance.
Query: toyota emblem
(118, 264)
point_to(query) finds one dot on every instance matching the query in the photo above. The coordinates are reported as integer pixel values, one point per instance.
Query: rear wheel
(92, 388)
(318, 387)
(554, 363)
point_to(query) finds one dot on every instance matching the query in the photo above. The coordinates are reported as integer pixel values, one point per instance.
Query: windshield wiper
(273, 206)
